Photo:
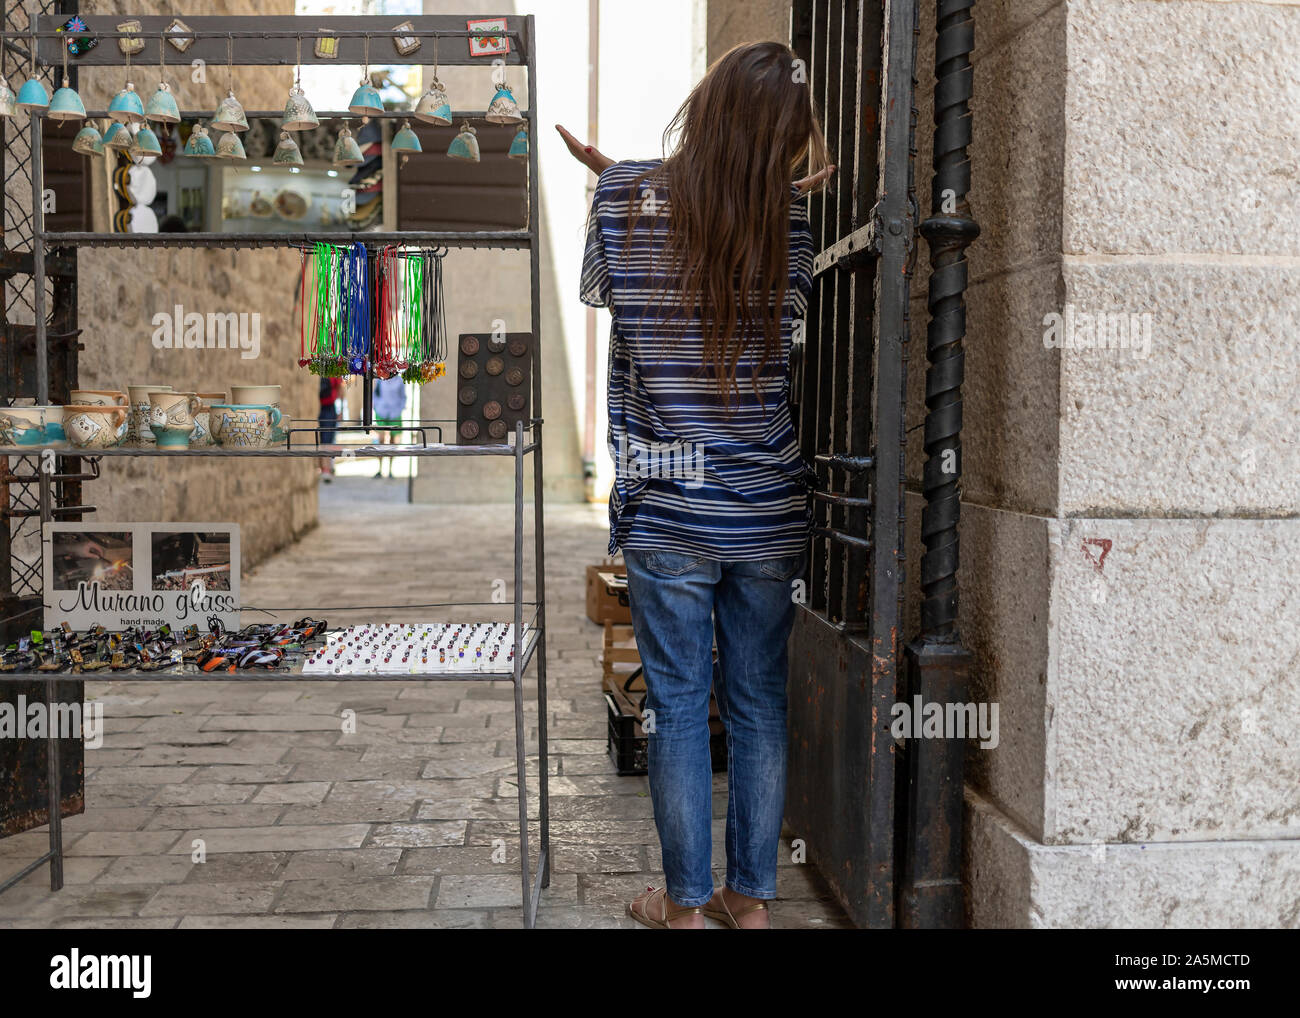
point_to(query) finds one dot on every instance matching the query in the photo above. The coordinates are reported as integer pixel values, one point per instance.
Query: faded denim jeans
(679, 604)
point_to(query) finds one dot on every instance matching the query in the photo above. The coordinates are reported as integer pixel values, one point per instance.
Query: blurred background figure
(389, 403)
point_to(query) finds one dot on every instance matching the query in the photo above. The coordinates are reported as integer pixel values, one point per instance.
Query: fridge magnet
(488, 45)
(405, 44)
(178, 39)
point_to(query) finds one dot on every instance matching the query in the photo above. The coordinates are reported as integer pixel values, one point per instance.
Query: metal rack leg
(539, 553)
(53, 777)
(520, 723)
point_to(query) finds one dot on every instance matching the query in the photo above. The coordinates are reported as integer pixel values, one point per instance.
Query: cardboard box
(607, 594)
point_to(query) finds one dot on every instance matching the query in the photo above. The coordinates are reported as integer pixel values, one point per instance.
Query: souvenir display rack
(271, 41)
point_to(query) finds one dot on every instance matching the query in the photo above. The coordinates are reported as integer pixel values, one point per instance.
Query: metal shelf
(306, 452)
(443, 238)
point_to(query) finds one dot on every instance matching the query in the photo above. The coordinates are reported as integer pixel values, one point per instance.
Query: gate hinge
(866, 242)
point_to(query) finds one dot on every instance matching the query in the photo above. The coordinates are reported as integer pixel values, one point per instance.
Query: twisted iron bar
(948, 231)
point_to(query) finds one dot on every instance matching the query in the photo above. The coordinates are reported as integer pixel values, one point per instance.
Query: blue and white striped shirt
(690, 478)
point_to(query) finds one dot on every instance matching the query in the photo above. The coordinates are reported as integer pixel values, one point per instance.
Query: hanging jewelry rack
(273, 44)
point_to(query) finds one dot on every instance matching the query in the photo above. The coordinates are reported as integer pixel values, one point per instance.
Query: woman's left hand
(588, 155)
(808, 183)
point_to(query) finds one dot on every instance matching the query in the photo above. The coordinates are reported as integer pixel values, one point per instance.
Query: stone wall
(1129, 516)
(274, 501)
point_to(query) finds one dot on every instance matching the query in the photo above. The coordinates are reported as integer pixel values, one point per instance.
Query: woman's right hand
(589, 156)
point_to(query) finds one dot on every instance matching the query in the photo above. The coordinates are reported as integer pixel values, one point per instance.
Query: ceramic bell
(118, 136)
(33, 95)
(88, 141)
(230, 147)
(519, 145)
(8, 101)
(298, 114)
(230, 115)
(287, 152)
(366, 100)
(200, 144)
(465, 144)
(434, 107)
(126, 107)
(146, 143)
(346, 150)
(503, 109)
(406, 140)
(162, 106)
(66, 104)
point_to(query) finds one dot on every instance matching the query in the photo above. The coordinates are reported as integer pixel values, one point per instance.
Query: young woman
(705, 260)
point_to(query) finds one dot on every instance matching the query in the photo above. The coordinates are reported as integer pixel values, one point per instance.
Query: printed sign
(123, 575)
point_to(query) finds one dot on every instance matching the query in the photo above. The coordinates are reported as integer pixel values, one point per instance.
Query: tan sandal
(643, 916)
(727, 917)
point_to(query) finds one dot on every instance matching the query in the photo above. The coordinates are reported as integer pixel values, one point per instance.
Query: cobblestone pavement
(398, 825)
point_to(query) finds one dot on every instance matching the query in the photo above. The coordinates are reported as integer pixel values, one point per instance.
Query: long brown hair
(741, 136)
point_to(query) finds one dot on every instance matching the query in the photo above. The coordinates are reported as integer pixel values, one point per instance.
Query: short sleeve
(594, 289)
(801, 255)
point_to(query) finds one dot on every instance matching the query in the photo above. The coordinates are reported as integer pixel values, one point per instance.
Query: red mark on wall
(1096, 549)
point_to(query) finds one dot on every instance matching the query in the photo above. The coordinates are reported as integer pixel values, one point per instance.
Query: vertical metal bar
(55, 790)
(938, 663)
(520, 723)
(820, 369)
(38, 260)
(539, 497)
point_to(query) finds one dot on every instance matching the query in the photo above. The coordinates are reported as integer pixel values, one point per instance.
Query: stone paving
(411, 822)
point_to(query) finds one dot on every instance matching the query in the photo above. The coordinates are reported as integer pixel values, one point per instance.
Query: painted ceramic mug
(259, 395)
(243, 425)
(171, 418)
(97, 397)
(138, 431)
(28, 425)
(203, 418)
(91, 426)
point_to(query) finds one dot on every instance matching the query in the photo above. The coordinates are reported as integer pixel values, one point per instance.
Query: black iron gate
(880, 819)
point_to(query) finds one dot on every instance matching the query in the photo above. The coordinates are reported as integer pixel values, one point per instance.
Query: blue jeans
(679, 604)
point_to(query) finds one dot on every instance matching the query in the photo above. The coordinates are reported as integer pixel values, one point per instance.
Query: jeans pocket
(670, 563)
(784, 568)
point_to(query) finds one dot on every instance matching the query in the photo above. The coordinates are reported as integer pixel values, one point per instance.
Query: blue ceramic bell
(230, 115)
(162, 106)
(519, 145)
(33, 95)
(503, 109)
(146, 143)
(465, 144)
(287, 152)
(66, 104)
(88, 141)
(366, 100)
(118, 136)
(298, 114)
(406, 140)
(434, 107)
(346, 150)
(199, 145)
(126, 107)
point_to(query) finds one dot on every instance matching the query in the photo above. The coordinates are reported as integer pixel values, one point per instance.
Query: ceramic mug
(28, 425)
(97, 397)
(93, 426)
(138, 431)
(243, 425)
(203, 418)
(259, 395)
(171, 418)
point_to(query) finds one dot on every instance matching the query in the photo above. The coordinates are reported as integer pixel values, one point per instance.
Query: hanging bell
(126, 107)
(146, 143)
(434, 107)
(465, 144)
(230, 115)
(346, 150)
(287, 152)
(519, 145)
(118, 136)
(88, 141)
(230, 147)
(503, 109)
(298, 114)
(162, 106)
(33, 95)
(66, 104)
(8, 101)
(366, 100)
(199, 145)
(406, 140)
